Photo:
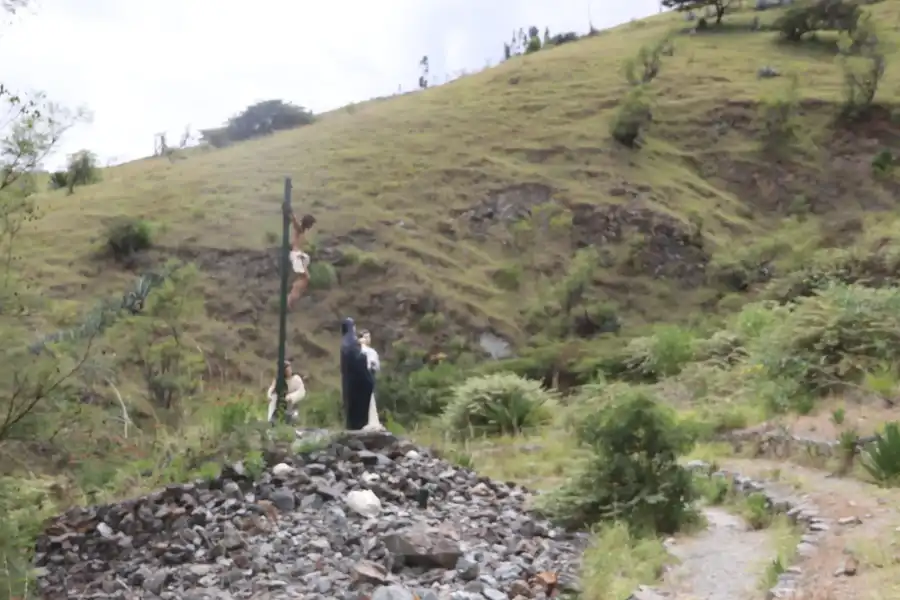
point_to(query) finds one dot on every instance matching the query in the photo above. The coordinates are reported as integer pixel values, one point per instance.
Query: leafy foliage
(863, 63)
(411, 392)
(778, 116)
(820, 15)
(683, 5)
(633, 473)
(881, 458)
(83, 169)
(648, 62)
(497, 404)
(632, 118)
(127, 236)
(159, 344)
(262, 118)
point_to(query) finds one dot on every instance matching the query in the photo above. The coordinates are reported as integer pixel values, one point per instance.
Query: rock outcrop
(441, 532)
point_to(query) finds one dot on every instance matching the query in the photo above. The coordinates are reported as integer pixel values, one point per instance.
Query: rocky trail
(366, 517)
(857, 555)
(724, 562)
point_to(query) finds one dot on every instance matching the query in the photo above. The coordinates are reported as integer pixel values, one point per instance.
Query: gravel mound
(431, 530)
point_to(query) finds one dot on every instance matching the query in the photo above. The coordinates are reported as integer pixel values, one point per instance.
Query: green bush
(714, 490)
(821, 15)
(632, 118)
(778, 117)
(881, 458)
(863, 62)
(412, 395)
(839, 335)
(322, 409)
(755, 510)
(653, 357)
(633, 473)
(322, 276)
(497, 404)
(508, 277)
(127, 236)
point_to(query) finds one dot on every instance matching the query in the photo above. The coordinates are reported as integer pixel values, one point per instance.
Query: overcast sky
(146, 67)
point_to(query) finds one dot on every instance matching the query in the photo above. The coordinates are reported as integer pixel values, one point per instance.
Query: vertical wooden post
(280, 381)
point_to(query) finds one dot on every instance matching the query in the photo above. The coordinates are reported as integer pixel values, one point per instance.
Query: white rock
(364, 502)
(282, 469)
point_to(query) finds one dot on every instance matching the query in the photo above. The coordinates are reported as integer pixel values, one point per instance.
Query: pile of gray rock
(366, 516)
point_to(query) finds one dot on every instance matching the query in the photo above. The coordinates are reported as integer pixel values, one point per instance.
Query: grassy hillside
(402, 188)
(498, 202)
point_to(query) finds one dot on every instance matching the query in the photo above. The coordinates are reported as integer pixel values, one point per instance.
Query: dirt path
(724, 562)
(864, 534)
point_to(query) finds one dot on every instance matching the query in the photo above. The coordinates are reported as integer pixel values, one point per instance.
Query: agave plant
(107, 311)
(882, 457)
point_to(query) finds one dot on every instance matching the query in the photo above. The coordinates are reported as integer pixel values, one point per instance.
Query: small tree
(633, 474)
(82, 169)
(633, 116)
(262, 118)
(779, 119)
(423, 77)
(863, 62)
(684, 5)
(821, 15)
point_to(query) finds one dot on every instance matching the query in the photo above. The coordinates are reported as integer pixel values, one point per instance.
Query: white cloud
(147, 67)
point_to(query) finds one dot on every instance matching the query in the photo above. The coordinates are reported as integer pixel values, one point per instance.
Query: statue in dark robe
(357, 381)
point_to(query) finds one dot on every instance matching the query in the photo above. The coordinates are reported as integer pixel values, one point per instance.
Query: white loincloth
(299, 261)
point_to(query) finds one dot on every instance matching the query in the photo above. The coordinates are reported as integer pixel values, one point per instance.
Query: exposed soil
(837, 175)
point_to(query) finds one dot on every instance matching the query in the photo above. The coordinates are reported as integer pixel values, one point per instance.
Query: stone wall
(778, 442)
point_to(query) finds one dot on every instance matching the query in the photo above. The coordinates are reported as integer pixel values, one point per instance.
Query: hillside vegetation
(737, 264)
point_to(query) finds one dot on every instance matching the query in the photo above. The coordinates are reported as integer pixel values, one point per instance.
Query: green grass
(392, 184)
(422, 159)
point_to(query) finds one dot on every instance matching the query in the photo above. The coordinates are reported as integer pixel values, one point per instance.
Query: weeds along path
(859, 557)
(724, 562)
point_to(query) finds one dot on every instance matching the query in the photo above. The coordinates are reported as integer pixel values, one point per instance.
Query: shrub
(651, 358)
(755, 510)
(883, 162)
(839, 335)
(82, 169)
(497, 404)
(410, 395)
(838, 415)
(822, 15)
(881, 458)
(323, 409)
(632, 118)
(863, 64)
(632, 474)
(432, 322)
(648, 60)
(127, 236)
(779, 118)
(322, 276)
(713, 489)
(508, 277)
